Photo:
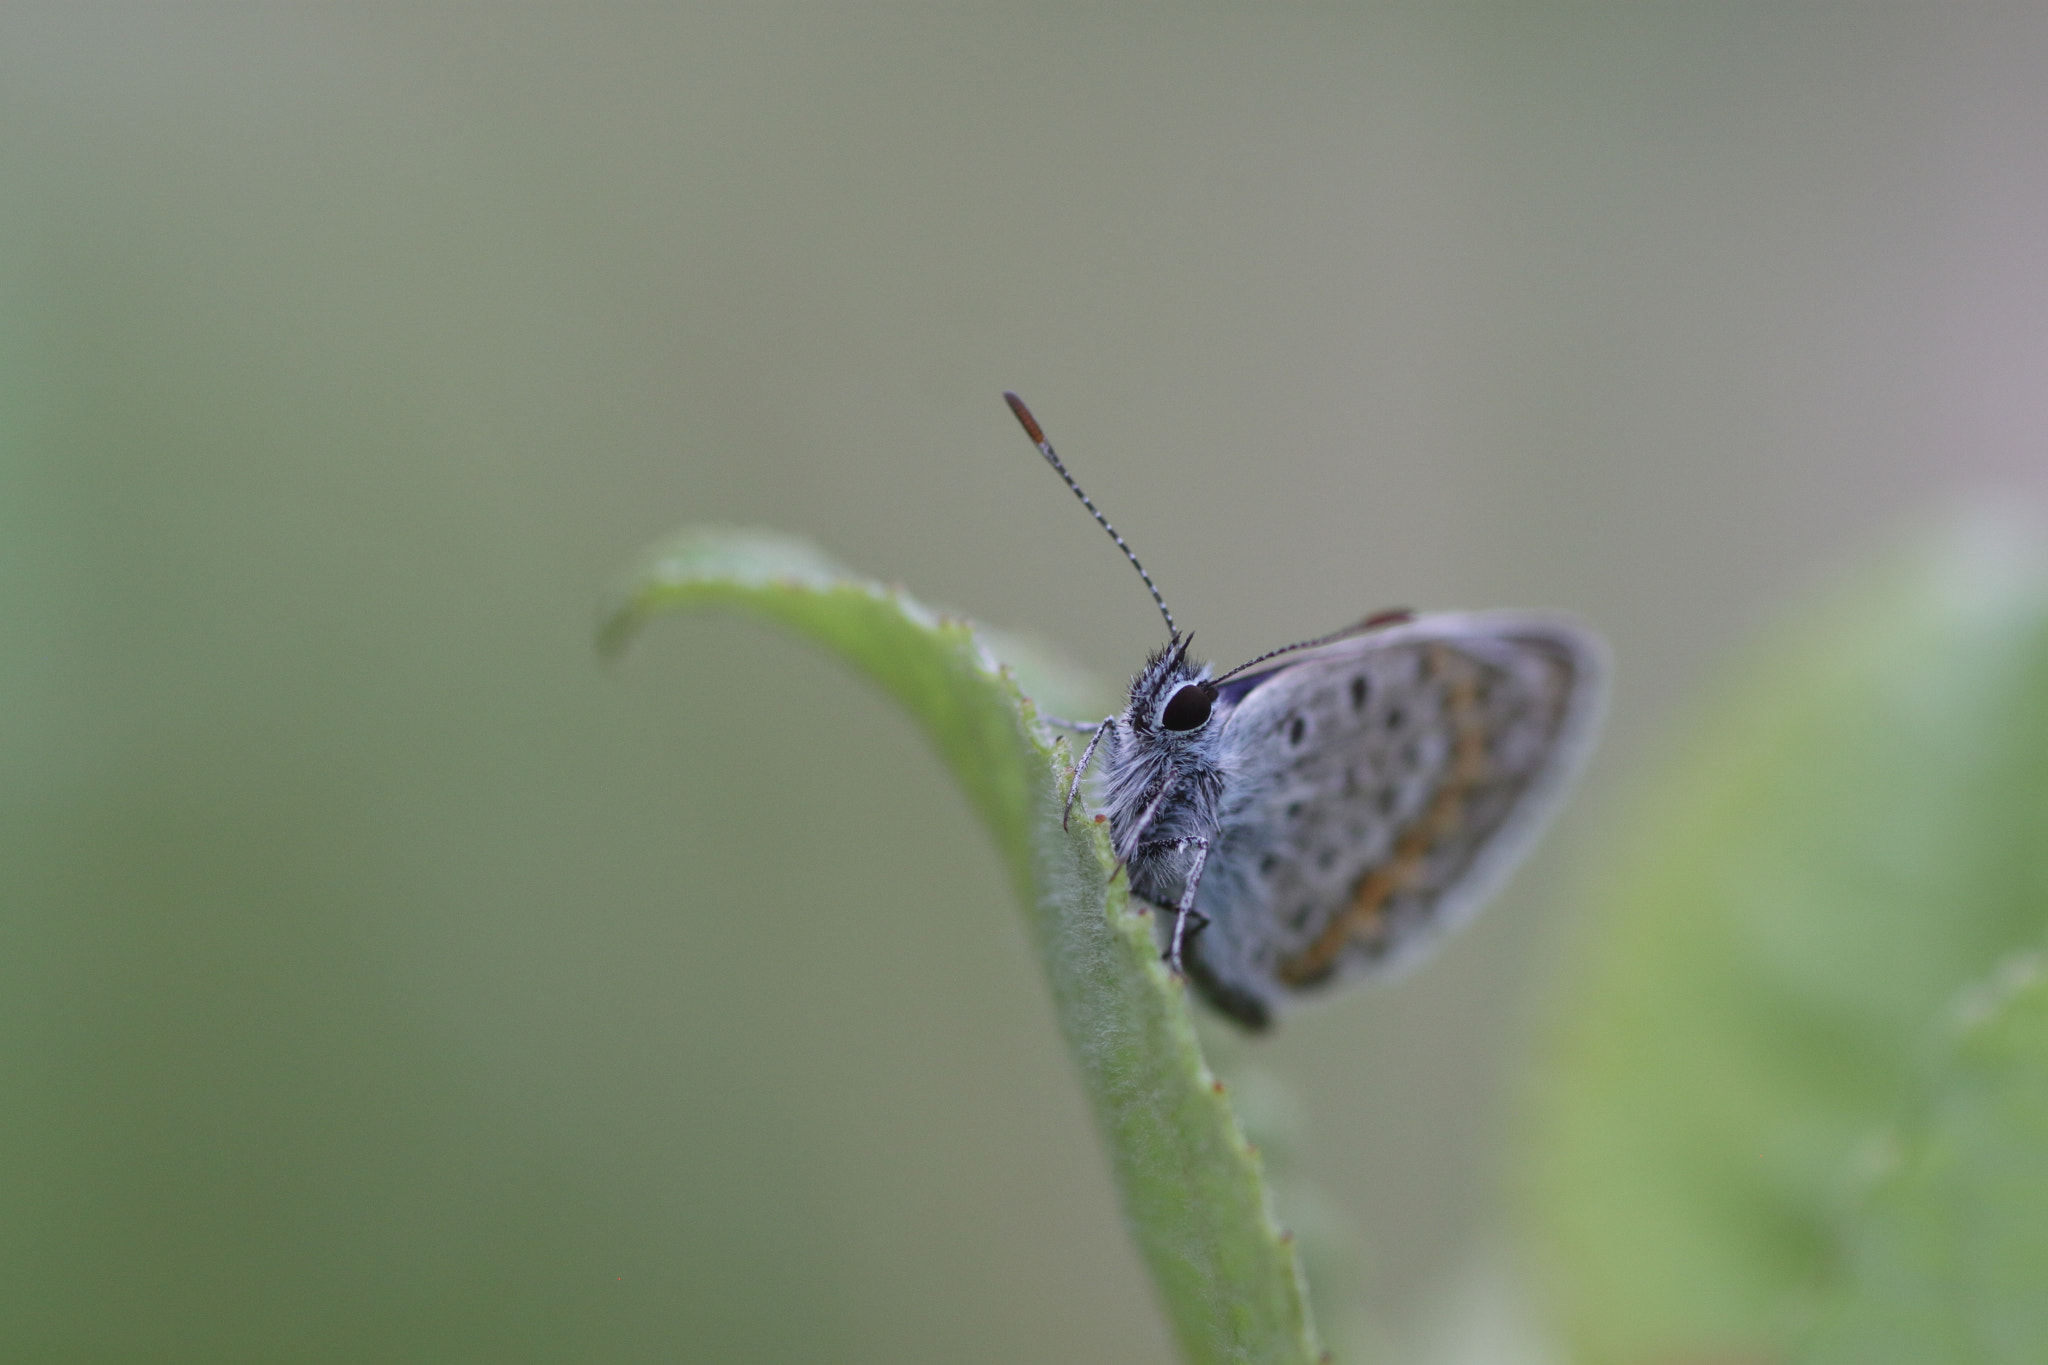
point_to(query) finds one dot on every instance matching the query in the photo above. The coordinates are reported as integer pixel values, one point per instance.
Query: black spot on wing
(1343, 754)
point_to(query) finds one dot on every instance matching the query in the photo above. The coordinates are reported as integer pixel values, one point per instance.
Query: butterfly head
(1172, 694)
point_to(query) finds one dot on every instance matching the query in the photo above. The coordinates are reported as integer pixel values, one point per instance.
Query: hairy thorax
(1161, 792)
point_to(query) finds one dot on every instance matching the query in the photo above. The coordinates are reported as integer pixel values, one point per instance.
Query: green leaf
(1191, 1186)
(1947, 1251)
(1857, 833)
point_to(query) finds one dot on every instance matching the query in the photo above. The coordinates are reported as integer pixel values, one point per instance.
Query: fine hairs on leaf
(1192, 1189)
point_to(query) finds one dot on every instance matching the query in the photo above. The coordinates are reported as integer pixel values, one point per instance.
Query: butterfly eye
(1189, 707)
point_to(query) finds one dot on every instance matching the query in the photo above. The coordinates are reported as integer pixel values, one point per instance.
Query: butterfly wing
(1379, 789)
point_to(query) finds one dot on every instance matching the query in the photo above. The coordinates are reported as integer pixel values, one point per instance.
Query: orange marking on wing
(1365, 916)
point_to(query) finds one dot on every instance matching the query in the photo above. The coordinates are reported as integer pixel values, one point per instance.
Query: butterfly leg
(1074, 790)
(1186, 911)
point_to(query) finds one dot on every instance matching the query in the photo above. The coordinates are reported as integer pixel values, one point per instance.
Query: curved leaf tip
(1192, 1192)
(709, 556)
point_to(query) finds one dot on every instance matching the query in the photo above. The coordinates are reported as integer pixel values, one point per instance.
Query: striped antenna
(1037, 435)
(1379, 620)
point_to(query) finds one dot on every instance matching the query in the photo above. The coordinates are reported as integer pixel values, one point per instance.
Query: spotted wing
(1378, 790)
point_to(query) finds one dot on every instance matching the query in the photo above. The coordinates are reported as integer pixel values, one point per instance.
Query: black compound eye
(1189, 707)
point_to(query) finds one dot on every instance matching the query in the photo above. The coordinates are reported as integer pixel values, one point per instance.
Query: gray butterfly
(1332, 815)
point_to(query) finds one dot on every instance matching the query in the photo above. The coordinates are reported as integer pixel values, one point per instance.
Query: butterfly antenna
(1377, 621)
(1037, 435)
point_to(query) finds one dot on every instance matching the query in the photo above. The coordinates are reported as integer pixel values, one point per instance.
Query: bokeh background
(383, 979)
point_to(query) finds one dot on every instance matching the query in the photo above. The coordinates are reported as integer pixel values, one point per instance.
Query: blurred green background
(380, 978)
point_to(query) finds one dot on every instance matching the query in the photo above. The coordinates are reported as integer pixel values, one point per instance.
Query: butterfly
(1329, 810)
